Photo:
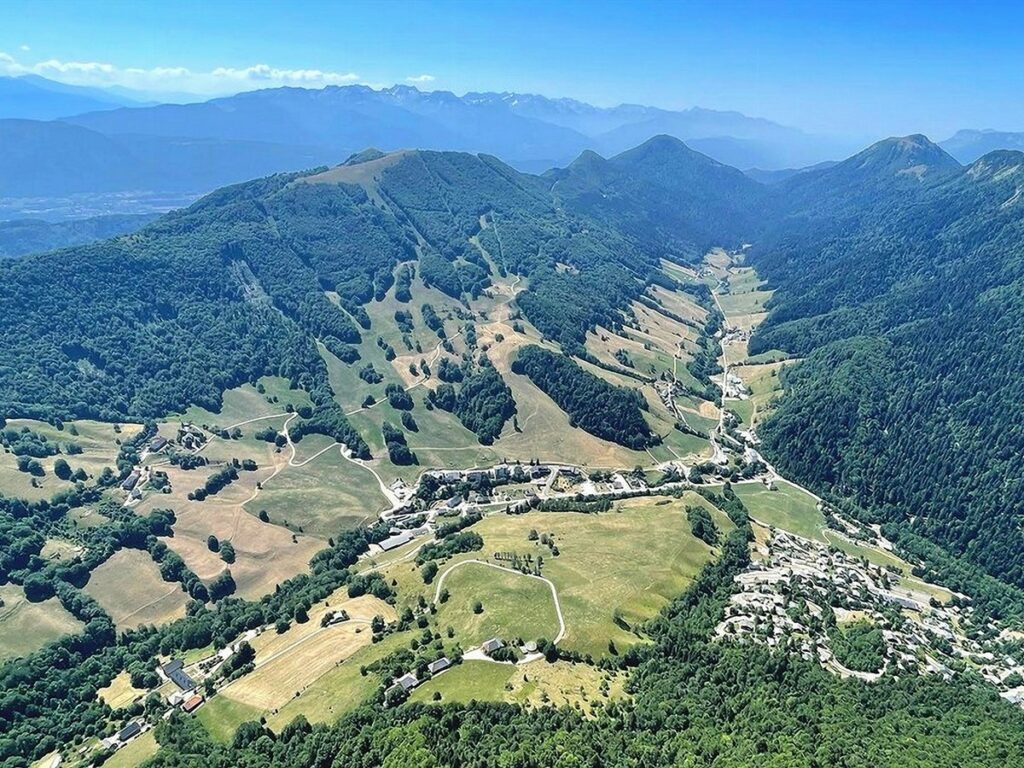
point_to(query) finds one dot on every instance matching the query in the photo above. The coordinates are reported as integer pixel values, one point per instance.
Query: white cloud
(24, 48)
(155, 79)
(261, 73)
(421, 79)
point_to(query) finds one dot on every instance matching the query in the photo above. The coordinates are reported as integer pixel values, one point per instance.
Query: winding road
(551, 586)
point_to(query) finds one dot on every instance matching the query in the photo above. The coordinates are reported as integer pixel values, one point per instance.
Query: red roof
(192, 703)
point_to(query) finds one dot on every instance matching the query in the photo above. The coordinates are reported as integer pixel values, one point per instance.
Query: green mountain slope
(235, 286)
(911, 318)
(665, 195)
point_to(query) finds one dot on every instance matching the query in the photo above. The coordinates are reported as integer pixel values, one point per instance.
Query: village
(797, 592)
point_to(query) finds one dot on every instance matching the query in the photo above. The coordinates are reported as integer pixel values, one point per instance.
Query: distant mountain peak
(969, 144)
(913, 156)
(665, 148)
(588, 158)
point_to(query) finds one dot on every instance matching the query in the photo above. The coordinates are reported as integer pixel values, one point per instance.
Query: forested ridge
(602, 409)
(233, 287)
(911, 320)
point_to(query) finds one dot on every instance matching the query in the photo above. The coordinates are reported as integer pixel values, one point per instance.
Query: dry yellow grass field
(99, 442)
(270, 686)
(130, 589)
(26, 627)
(291, 662)
(545, 430)
(265, 554)
(120, 693)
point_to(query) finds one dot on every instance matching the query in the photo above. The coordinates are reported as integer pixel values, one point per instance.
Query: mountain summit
(913, 156)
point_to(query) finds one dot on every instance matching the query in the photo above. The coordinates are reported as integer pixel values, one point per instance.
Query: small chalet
(439, 666)
(407, 681)
(493, 645)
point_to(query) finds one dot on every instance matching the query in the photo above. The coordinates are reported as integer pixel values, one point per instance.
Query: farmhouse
(335, 617)
(492, 645)
(158, 444)
(132, 729)
(192, 704)
(619, 483)
(175, 672)
(396, 540)
(183, 681)
(453, 502)
(439, 666)
(407, 681)
(171, 666)
(131, 481)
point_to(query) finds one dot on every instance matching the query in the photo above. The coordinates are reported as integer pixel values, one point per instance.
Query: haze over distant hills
(36, 98)
(970, 144)
(113, 145)
(531, 132)
(60, 140)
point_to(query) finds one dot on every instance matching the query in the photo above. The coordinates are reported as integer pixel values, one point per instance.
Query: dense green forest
(911, 320)
(664, 195)
(600, 408)
(483, 401)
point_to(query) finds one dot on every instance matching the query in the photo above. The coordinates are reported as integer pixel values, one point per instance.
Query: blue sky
(852, 68)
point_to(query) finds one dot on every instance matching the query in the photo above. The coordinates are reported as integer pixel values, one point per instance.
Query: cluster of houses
(734, 388)
(503, 474)
(403, 685)
(190, 437)
(186, 698)
(470, 488)
(734, 335)
(792, 581)
(626, 483)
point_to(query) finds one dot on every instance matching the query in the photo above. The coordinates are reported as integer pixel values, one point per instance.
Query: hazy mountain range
(58, 140)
